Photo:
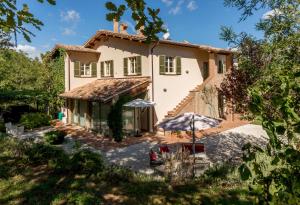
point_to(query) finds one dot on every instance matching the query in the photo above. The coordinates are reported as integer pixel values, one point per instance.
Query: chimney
(116, 26)
(139, 31)
(123, 28)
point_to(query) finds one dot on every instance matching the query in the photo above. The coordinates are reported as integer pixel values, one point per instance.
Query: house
(178, 76)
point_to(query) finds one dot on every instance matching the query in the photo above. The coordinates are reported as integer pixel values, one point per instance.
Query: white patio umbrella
(139, 103)
(189, 122)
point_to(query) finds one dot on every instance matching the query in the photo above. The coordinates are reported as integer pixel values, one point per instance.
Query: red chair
(199, 147)
(164, 149)
(154, 161)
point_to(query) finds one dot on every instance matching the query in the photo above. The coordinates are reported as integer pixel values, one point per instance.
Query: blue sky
(74, 21)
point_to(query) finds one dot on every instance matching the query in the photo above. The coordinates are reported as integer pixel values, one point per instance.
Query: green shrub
(218, 172)
(115, 174)
(2, 126)
(55, 137)
(34, 120)
(42, 153)
(82, 198)
(87, 162)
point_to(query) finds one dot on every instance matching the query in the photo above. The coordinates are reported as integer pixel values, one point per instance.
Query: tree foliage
(147, 19)
(274, 97)
(115, 118)
(29, 80)
(5, 40)
(15, 19)
(251, 64)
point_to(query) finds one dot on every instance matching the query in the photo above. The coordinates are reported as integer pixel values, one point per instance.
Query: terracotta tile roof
(139, 38)
(105, 89)
(74, 48)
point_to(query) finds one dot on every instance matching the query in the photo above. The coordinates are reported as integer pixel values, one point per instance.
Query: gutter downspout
(69, 76)
(152, 79)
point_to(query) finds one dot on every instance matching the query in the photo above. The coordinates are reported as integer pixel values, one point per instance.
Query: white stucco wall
(177, 86)
(118, 49)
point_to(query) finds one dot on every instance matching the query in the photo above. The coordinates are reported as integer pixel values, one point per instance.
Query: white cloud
(54, 39)
(32, 51)
(167, 2)
(192, 5)
(175, 10)
(68, 32)
(70, 16)
(270, 14)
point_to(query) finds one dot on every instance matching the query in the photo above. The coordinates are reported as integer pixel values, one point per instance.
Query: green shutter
(139, 65)
(102, 69)
(178, 65)
(94, 69)
(125, 66)
(162, 69)
(112, 69)
(77, 69)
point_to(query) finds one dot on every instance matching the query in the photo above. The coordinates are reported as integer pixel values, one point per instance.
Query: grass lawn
(29, 177)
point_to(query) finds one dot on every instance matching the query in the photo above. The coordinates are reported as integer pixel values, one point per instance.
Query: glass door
(82, 111)
(75, 112)
(96, 116)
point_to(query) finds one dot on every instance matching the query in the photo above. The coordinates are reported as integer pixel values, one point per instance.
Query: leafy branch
(147, 19)
(13, 19)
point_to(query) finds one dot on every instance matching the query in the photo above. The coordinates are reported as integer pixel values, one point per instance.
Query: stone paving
(220, 147)
(133, 153)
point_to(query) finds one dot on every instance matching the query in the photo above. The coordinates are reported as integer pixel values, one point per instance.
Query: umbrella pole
(193, 129)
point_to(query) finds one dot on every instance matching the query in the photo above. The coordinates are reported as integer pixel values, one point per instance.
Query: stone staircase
(187, 99)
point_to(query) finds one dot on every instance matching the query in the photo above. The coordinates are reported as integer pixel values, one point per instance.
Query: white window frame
(170, 60)
(85, 67)
(107, 68)
(132, 67)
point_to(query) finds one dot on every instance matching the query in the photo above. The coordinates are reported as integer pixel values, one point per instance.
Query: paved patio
(108, 143)
(221, 144)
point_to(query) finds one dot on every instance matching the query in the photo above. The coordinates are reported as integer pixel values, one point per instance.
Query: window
(221, 66)
(205, 70)
(107, 69)
(169, 65)
(85, 70)
(132, 66)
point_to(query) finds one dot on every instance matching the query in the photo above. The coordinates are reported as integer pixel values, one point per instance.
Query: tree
(53, 79)
(251, 63)
(146, 18)
(14, 19)
(274, 97)
(5, 40)
(115, 118)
